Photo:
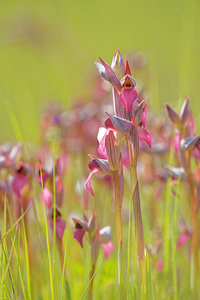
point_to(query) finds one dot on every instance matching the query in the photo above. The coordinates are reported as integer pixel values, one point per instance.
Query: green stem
(195, 223)
(90, 293)
(118, 220)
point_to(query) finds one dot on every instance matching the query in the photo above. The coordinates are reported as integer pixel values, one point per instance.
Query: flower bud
(118, 64)
(118, 106)
(138, 113)
(172, 114)
(112, 151)
(185, 110)
(108, 74)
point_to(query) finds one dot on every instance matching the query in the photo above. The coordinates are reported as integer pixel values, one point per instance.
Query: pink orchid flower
(60, 222)
(97, 238)
(60, 226)
(183, 238)
(159, 265)
(125, 86)
(21, 178)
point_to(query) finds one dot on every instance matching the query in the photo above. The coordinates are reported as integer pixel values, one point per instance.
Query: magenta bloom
(60, 226)
(159, 265)
(183, 238)
(97, 238)
(100, 166)
(78, 235)
(47, 196)
(128, 93)
(107, 248)
(125, 87)
(18, 183)
(21, 178)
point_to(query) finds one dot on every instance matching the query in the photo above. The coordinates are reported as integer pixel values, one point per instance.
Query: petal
(88, 184)
(172, 114)
(109, 74)
(176, 172)
(107, 248)
(18, 183)
(190, 127)
(139, 113)
(14, 152)
(91, 224)
(105, 232)
(128, 96)
(100, 165)
(144, 135)
(47, 196)
(144, 116)
(189, 142)
(127, 70)
(112, 150)
(121, 125)
(185, 110)
(176, 141)
(117, 104)
(101, 148)
(78, 235)
(118, 63)
(101, 133)
(60, 227)
(128, 79)
(59, 190)
(183, 238)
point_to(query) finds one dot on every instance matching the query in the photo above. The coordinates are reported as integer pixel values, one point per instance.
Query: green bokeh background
(47, 49)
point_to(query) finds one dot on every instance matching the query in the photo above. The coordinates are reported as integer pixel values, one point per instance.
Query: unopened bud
(112, 151)
(185, 110)
(118, 106)
(138, 113)
(118, 64)
(172, 114)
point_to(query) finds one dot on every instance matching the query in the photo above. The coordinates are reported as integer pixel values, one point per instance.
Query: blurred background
(47, 49)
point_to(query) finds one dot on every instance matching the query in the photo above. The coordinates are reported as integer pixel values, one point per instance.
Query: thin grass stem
(47, 241)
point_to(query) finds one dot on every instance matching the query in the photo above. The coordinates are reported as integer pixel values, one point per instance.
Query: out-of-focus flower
(60, 222)
(96, 237)
(159, 265)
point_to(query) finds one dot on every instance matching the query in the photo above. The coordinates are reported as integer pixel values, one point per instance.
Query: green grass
(46, 53)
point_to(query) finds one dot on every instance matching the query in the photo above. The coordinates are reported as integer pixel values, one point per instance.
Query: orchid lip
(127, 84)
(128, 81)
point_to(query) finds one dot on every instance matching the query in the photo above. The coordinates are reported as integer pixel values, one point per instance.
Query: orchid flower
(125, 87)
(60, 222)
(96, 237)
